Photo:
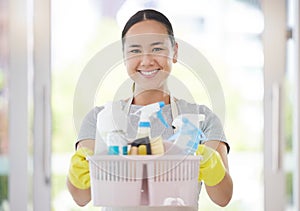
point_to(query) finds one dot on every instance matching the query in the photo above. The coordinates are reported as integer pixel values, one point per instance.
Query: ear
(175, 52)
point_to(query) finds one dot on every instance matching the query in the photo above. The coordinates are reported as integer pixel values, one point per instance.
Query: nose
(147, 59)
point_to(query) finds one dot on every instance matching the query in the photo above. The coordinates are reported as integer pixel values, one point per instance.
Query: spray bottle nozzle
(161, 104)
(161, 118)
(149, 110)
(188, 136)
(191, 128)
(186, 127)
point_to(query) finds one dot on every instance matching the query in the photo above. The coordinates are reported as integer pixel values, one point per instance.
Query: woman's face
(149, 54)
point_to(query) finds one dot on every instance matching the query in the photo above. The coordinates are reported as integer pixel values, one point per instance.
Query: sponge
(142, 150)
(145, 149)
(157, 146)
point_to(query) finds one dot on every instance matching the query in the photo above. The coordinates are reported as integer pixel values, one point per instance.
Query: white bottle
(116, 143)
(111, 124)
(144, 125)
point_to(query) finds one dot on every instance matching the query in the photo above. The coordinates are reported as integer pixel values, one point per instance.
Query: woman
(149, 51)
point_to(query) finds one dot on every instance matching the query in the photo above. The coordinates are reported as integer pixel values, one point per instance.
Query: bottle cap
(125, 150)
(113, 150)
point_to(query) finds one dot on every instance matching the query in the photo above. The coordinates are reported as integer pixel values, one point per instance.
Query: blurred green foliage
(3, 189)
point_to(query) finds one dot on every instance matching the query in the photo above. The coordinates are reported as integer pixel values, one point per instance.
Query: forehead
(147, 27)
(146, 40)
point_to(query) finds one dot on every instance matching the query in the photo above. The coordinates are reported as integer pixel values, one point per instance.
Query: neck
(151, 96)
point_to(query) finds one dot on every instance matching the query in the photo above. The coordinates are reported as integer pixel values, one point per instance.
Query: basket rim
(143, 158)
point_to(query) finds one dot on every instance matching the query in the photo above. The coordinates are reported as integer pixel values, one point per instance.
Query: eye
(157, 49)
(135, 51)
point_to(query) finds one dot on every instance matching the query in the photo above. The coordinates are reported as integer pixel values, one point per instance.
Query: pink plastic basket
(112, 178)
(129, 181)
(173, 181)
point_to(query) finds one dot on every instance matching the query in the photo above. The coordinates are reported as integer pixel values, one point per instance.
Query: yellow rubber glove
(212, 169)
(79, 173)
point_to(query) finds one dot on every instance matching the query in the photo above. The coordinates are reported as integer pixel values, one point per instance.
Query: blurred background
(252, 45)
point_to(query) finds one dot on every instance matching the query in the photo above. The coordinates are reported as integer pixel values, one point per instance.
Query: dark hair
(149, 14)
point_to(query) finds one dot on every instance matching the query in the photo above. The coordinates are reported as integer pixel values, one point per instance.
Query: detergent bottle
(110, 131)
(142, 144)
(188, 134)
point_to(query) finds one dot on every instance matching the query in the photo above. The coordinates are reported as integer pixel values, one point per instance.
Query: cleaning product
(144, 123)
(144, 127)
(188, 135)
(116, 142)
(136, 148)
(157, 146)
(110, 135)
(142, 150)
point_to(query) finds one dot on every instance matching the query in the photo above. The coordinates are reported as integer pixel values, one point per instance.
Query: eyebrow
(134, 46)
(139, 46)
(156, 43)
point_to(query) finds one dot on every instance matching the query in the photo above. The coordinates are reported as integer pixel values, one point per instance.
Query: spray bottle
(110, 135)
(142, 144)
(188, 136)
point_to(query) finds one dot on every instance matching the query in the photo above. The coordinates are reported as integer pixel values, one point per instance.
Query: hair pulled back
(149, 14)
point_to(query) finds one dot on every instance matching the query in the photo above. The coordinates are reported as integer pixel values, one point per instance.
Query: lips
(148, 73)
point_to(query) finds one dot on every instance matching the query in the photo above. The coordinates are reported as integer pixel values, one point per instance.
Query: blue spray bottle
(188, 135)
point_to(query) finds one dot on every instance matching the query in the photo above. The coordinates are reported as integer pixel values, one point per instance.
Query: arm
(81, 196)
(222, 192)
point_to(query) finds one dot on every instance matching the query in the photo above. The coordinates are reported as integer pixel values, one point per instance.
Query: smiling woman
(150, 51)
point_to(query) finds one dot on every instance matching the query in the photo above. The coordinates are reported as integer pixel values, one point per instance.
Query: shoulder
(91, 115)
(211, 120)
(97, 109)
(188, 107)
(94, 111)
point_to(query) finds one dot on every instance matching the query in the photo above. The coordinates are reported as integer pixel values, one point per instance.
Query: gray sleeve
(212, 126)
(88, 125)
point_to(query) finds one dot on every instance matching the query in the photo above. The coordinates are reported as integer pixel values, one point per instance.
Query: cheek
(166, 62)
(131, 65)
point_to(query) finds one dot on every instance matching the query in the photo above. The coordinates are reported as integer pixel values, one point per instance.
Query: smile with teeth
(148, 73)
